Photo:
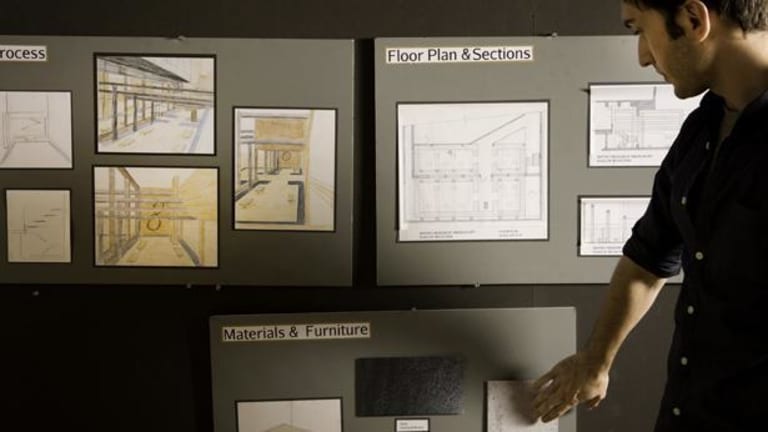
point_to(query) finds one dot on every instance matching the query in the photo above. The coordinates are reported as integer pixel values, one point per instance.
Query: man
(708, 213)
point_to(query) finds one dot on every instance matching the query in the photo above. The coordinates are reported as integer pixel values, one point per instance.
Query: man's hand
(574, 380)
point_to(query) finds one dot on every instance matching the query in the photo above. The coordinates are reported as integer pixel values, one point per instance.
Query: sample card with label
(510, 408)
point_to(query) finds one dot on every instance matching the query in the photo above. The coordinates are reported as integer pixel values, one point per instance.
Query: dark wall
(124, 358)
(357, 19)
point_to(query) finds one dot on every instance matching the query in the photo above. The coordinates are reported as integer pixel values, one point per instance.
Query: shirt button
(690, 310)
(684, 201)
(684, 361)
(676, 411)
(699, 256)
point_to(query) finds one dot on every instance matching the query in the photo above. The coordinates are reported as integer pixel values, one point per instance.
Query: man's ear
(693, 16)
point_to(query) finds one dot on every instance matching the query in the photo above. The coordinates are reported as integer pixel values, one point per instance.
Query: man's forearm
(631, 293)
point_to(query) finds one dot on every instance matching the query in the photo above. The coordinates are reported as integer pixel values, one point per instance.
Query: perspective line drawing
(634, 124)
(38, 226)
(35, 129)
(472, 171)
(310, 415)
(285, 169)
(162, 104)
(151, 216)
(606, 223)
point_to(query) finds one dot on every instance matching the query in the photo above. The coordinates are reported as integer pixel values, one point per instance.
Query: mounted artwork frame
(149, 216)
(155, 103)
(284, 168)
(36, 129)
(39, 225)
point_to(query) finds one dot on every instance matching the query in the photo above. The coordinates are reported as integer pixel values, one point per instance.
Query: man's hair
(750, 15)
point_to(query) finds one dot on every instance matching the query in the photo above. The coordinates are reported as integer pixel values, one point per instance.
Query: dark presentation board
(558, 73)
(279, 76)
(261, 361)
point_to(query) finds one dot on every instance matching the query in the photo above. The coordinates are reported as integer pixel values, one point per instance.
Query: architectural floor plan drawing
(155, 104)
(160, 217)
(634, 124)
(38, 226)
(311, 415)
(510, 408)
(35, 129)
(472, 171)
(285, 169)
(606, 223)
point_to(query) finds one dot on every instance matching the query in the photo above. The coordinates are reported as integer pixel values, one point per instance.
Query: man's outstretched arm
(583, 377)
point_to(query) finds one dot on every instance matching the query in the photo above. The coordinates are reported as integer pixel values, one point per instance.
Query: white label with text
(468, 54)
(412, 425)
(23, 53)
(288, 332)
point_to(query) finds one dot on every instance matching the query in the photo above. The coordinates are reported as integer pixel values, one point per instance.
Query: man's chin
(683, 93)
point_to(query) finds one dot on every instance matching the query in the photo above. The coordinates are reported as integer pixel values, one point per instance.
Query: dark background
(135, 358)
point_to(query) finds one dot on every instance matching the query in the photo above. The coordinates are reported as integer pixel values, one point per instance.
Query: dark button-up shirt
(709, 215)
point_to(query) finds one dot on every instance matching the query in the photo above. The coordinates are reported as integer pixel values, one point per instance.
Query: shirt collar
(713, 106)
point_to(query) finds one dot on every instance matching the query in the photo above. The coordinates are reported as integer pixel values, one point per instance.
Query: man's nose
(643, 54)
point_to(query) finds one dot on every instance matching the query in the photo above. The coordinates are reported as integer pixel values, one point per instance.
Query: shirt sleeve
(656, 244)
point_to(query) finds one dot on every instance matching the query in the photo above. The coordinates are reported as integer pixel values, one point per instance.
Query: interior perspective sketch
(35, 129)
(606, 223)
(634, 124)
(38, 226)
(155, 104)
(312, 415)
(285, 169)
(156, 216)
(475, 168)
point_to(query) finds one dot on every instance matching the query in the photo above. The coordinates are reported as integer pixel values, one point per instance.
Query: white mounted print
(38, 226)
(155, 104)
(35, 129)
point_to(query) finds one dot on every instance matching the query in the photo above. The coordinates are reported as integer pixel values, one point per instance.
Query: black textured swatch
(400, 386)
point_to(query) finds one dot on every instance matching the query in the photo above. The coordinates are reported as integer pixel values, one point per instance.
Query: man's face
(677, 60)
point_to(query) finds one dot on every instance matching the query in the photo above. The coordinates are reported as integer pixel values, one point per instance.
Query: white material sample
(510, 408)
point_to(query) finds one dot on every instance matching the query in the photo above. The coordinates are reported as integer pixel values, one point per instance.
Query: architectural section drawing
(38, 226)
(165, 217)
(284, 169)
(310, 415)
(472, 171)
(606, 223)
(35, 129)
(155, 104)
(634, 124)
(510, 408)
